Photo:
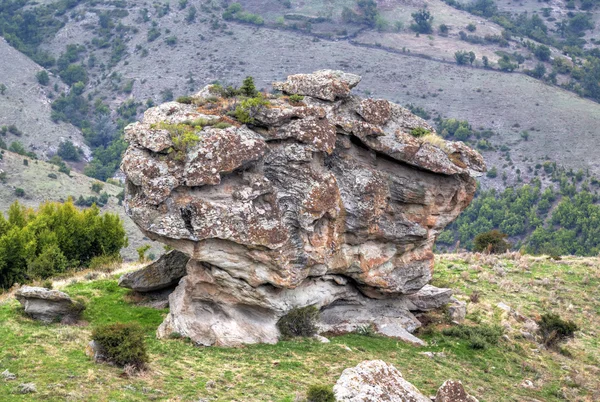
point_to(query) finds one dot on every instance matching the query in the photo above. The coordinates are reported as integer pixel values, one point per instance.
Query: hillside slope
(514, 368)
(26, 105)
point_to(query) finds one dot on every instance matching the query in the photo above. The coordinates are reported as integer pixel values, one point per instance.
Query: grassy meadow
(53, 356)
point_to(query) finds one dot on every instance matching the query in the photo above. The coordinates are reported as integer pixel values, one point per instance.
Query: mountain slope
(26, 105)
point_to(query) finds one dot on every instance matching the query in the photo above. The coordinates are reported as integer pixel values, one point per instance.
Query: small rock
(457, 311)
(210, 384)
(8, 375)
(321, 339)
(527, 335)
(162, 273)
(94, 351)
(429, 298)
(432, 355)
(453, 391)
(503, 306)
(44, 304)
(527, 384)
(27, 388)
(375, 380)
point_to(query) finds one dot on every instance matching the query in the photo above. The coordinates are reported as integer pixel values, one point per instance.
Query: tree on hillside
(493, 242)
(423, 21)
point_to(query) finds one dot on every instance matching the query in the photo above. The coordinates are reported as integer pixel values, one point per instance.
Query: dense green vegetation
(541, 221)
(56, 237)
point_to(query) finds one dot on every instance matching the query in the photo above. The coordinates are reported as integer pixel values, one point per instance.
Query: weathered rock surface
(457, 311)
(375, 380)
(453, 391)
(161, 274)
(44, 304)
(328, 202)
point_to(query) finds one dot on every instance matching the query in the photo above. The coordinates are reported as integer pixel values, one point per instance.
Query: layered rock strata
(327, 200)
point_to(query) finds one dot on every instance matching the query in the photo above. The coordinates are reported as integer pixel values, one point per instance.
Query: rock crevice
(329, 201)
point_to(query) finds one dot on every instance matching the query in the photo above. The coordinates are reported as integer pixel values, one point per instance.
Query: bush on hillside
(320, 393)
(480, 337)
(555, 330)
(122, 344)
(300, 321)
(493, 242)
(46, 242)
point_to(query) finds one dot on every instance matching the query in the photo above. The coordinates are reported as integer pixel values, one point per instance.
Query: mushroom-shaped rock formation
(312, 197)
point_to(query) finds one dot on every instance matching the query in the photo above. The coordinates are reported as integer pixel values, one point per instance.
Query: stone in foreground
(375, 380)
(330, 201)
(453, 391)
(45, 305)
(161, 274)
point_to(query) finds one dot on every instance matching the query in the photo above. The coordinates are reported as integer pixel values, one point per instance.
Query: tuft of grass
(320, 393)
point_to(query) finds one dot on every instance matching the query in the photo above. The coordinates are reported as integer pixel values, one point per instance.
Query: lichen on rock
(328, 202)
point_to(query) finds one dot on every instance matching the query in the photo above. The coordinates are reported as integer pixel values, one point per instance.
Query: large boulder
(330, 201)
(46, 305)
(161, 274)
(375, 380)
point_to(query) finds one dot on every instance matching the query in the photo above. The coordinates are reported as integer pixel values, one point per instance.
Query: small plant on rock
(295, 99)
(555, 330)
(300, 321)
(320, 393)
(419, 132)
(187, 100)
(249, 108)
(122, 344)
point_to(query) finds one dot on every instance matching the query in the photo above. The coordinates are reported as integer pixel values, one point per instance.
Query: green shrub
(188, 100)
(555, 330)
(320, 393)
(31, 242)
(142, 252)
(51, 261)
(249, 108)
(122, 344)
(69, 152)
(419, 132)
(42, 77)
(300, 321)
(493, 242)
(97, 187)
(222, 125)
(480, 337)
(248, 88)
(19, 192)
(52, 175)
(295, 98)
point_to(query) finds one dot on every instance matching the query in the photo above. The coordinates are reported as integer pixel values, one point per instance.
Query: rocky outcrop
(375, 380)
(329, 201)
(161, 274)
(46, 305)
